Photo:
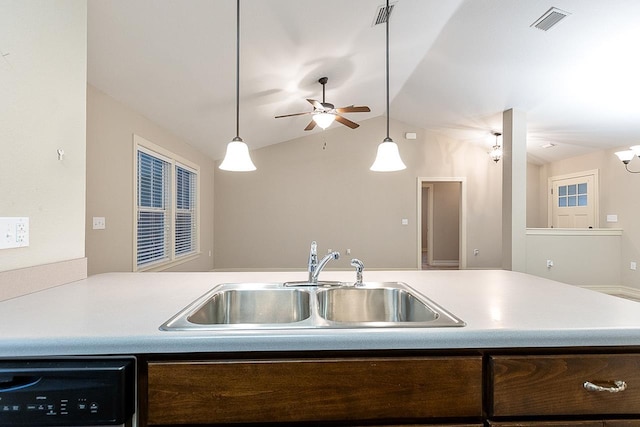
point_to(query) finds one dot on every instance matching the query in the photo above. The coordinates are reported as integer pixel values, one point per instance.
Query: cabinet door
(202, 392)
(554, 385)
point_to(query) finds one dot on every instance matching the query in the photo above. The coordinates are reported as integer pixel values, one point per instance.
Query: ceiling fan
(325, 113)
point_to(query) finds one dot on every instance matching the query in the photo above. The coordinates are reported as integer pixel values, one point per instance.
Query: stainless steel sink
(233, 306)
(372, 305)
(294, 305)
(245, 305)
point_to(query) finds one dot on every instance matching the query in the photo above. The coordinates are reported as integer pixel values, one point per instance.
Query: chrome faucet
(359, 265)
(316, 267)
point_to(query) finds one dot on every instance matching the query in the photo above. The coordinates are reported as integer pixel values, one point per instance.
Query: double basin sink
(327, 305)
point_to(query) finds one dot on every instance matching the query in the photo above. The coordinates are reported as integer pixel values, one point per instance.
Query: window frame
(141, 144)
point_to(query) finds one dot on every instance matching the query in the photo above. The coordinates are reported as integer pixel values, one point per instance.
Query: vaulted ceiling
(455, 65)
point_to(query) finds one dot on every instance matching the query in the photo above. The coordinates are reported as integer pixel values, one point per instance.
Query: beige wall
(446, 215)
(110, 129)
(319, 187)
(618, 195)
(42, 109)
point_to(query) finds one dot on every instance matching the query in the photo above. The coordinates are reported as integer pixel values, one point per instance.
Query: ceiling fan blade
(294, 114)
(317, 105)
(311, 125)
(353, 109)
(346, 122)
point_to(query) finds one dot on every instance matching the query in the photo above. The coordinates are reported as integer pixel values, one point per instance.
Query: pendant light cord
(238, 70)
(387, 69)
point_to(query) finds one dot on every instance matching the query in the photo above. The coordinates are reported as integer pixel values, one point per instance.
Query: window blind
(153, 209)
(185, 232)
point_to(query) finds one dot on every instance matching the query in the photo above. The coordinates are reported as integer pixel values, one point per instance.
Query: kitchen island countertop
(120, 313)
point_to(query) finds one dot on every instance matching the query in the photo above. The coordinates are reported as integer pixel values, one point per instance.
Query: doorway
(573, 200)
(441, 240)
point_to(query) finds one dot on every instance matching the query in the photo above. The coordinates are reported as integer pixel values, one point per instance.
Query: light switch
(14, 232)
(405, 221)
(612, 218)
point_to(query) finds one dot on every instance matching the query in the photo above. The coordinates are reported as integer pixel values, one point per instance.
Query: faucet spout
(316, 267)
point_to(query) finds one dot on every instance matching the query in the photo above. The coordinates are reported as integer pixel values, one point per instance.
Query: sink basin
(296, 305)
(372, 305)
(244, 305)
(235, 306)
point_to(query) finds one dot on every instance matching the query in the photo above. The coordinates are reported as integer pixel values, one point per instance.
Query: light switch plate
(612, 218)
(14, 232)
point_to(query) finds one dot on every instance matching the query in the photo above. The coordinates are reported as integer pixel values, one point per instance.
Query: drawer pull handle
(618, 386)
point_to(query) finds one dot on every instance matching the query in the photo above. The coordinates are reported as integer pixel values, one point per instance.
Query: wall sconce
(628, 155)
(496, 150)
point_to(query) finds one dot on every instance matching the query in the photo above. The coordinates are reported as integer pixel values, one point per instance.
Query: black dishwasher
(68, 392)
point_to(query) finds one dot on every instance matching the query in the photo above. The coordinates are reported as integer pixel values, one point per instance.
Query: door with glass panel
(573, 201)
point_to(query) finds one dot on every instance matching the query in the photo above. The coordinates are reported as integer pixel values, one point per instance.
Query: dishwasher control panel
(74, 392)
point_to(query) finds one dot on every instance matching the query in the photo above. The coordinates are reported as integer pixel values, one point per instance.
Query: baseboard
(619, 291)
(445, 263)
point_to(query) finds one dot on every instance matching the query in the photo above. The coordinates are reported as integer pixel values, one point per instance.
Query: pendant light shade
(388, 156)
(237, 158)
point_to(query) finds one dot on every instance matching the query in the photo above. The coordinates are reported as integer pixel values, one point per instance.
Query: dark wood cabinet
(498, 388)
(553, 385)
(314, 390)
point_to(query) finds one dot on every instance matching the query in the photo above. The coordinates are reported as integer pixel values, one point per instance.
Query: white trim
(462, 220)
(146, 146)
(574, 232)
(445, 263)
(619, 291)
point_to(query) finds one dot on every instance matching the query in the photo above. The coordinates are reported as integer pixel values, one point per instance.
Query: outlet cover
(99, 223)
(14, 232)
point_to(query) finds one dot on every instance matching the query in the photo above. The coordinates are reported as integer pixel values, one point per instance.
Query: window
(166, 206)
(572, 195)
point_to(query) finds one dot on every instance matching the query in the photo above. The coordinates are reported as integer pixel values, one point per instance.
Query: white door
(573, 201)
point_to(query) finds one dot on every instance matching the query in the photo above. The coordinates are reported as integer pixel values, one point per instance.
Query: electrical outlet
(14, 232)
(99, 223)
(633, 265)
(549, 263)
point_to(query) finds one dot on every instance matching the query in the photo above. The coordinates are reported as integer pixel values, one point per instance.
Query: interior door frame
(462, 219)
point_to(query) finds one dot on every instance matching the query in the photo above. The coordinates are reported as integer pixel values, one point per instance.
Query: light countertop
(120, 313)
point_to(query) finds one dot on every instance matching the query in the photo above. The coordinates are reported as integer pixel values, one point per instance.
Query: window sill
(162, 266)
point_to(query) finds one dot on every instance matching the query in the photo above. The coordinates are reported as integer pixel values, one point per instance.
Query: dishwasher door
(68, 392)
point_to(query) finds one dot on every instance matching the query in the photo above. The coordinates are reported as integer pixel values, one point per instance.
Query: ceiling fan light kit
(388, 156)
(237, 158)
(324, 120)
(325, 113)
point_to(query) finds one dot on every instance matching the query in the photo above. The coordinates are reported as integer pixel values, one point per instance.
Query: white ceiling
(455, 66)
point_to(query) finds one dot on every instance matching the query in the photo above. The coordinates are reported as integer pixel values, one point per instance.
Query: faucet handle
(359, 266)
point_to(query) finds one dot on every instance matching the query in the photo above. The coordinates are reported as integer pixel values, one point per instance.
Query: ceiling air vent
(550, 18)
(382, 16)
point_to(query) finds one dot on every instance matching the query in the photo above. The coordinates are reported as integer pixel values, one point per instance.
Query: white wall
(42, 109)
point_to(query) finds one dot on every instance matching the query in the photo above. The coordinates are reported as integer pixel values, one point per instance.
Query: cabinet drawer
(554, 384)
(203, 392)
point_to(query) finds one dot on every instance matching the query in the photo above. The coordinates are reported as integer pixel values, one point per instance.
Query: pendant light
(388, 157)
(496, 150)
(237, 158)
